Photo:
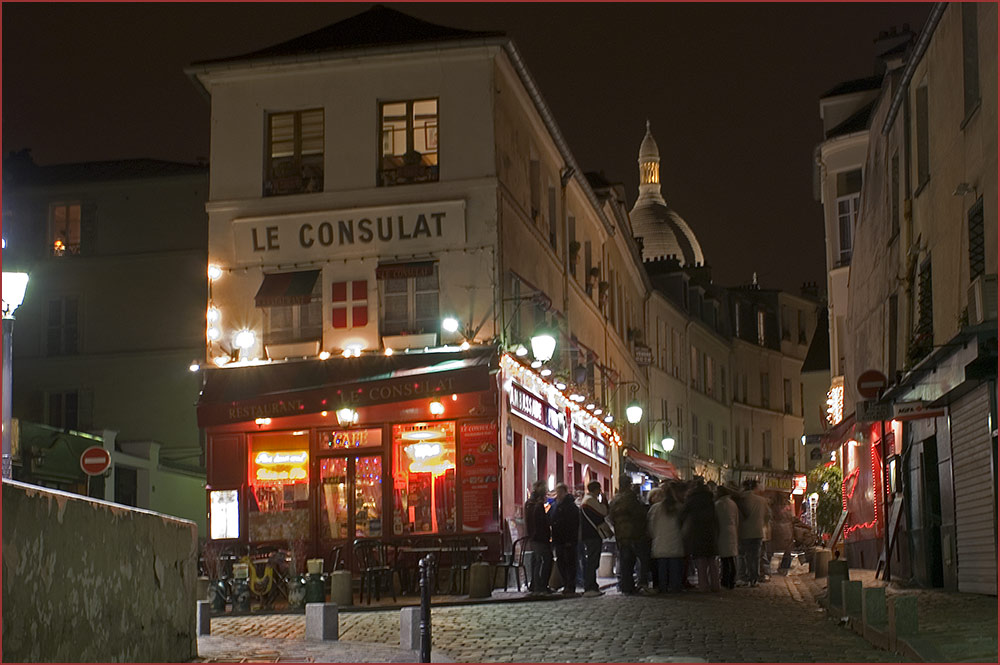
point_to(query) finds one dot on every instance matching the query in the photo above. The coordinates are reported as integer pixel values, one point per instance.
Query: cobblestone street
(777, 621)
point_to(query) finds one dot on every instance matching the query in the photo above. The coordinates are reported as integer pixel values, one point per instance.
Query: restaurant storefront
(323, 452)
(548, 437)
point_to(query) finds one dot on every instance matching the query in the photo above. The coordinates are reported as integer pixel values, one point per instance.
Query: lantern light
(14, 285)
(633, 413)
(546, 372)
(194, 367)
(465, 345)
(450, 324)
(347, 416)
(214, 333)
(388, 351)
(221, 360)
(668, 443)
(213, 315)
(245, 339)
(214, 272)
(436, 408)
(560, 385)
(323, 355)
(520, 351)
(543, 346)
(536, 364)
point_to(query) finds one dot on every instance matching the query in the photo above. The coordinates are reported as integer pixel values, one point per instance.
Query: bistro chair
(513, 559)
(376, 567)
(461, 558)
(337, 558)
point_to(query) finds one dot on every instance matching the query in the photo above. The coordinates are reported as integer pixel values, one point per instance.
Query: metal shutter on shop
(975, 519)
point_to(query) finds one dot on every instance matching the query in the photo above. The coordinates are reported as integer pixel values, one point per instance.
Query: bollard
(341, 591)
(425, 608)
(322, 622)
(607, 565)
(820, 563)
(480, 580)
(204, 618)
(851, 596)
(409, 628)
(873, 611)
(839, 567)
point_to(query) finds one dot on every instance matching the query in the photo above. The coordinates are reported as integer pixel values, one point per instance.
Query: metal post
(425, 608)
(8, 328)
(885, 502)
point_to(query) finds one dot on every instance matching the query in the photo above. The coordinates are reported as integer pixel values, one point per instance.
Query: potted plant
(296, 574)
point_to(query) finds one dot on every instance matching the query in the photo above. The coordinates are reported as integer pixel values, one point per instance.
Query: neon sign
(281, 466)
(265, 458)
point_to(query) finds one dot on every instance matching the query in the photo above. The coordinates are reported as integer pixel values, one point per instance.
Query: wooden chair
(337, 558)
(375, 563)
(513, 559)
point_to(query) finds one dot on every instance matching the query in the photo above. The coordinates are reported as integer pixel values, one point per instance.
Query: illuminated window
(409, 142)
(423, 477)
(64, 229)
(294, 313)
(279, 486)
(295, 153)
(410, 304)
(225, 514)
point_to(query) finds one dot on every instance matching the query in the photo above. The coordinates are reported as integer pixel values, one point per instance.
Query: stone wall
(89, 581)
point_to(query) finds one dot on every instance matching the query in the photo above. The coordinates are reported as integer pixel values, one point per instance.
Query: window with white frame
(63, 327)
(64, 229)
(409, 305)
(295, 314)
(694, 434)
(848, 203)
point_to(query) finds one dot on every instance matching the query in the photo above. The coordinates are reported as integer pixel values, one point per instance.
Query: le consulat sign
(350, 233)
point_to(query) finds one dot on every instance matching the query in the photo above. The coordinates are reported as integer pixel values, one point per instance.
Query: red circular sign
(870, 383)
(95, 460)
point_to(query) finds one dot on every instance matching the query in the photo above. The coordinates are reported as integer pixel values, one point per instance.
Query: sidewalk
(214, 649)
(952, 627)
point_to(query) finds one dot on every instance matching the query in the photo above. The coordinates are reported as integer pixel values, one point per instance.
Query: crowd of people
(723, 534)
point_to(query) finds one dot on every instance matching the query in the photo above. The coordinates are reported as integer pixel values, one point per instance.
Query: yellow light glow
(835, 403)
(213, 315)
(323, 355)
(295, 473)
(220, 360)
(266, 458)
(437, 408)
(324, 413)
(214, 272)
(388, 351)
(263, 421)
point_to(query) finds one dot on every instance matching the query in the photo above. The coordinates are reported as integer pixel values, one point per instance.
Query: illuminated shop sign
(537, 411)
(281, 466)
(588, 443)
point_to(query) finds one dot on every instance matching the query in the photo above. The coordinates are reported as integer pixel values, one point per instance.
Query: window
(278, 486)
(725, 445)
(294, 314)
(893, 334)
(680, 426)
(923, 158)
(573, 246)
(923, 333)
(64, 229)
(350, 304)
(761, 328)
(788, 395)
(746, 383)
(423, 478)
(970, 57)
(977, 244)
(746, 445)
(694, 368)
(791, 454)
(63, 409)
(295, 152)
(710, 434)
(409, 142)
(694, 434)
(802, 327)
(765, 390)
(410, 304)
(591, 279)
(848, 202)
(766, 440)
(722, 384)
(63, 329)
(708, 374)
(786, 324)
(552, 218)
(675, 344)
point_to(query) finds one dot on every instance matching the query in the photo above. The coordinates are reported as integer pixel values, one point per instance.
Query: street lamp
(543, 345)
(633, 412)
(668, 444)
(450, 324)
(347, 416)
(13, 287)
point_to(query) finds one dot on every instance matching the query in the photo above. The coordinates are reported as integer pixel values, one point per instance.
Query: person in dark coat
(565, 520)
(628, 517)
(699, 527)
(539, 533)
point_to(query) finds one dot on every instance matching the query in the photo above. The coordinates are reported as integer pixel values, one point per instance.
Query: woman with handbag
(593, 530)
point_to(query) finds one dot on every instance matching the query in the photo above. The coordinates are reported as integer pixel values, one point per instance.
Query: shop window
(64, 229)
(224, 507)
(350, 491)
(409, 142)
(560, 465)
(423, 477)
(410, 304)
(295, 153)
(279, 486)
(350, 304)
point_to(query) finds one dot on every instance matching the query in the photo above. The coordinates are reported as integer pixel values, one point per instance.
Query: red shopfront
(283, 469)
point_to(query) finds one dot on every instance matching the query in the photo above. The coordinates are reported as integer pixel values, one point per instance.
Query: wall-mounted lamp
(543, 345)
(436, 408)
(633, 412)
(347, 416)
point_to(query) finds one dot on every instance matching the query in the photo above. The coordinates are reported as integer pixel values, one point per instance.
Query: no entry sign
(870, 383)
(95, 460)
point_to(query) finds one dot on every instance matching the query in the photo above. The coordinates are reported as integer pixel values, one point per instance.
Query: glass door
(350, 501)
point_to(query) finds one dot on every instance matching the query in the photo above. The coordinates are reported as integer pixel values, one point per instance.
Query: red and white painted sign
(870, 383)
(95, 460)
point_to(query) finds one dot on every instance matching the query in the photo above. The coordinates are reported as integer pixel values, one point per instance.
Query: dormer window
(295, 153)
(409, 137)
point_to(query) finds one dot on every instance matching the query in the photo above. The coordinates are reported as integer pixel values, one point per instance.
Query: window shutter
(88, 228)
(339, 291)
(359, 289)
(359, 316)
(339, 317)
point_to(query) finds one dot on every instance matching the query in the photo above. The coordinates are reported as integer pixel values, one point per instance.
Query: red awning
(660, 468)
(286, 288)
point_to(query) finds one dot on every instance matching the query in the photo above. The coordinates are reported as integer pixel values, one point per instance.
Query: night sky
(731, 90)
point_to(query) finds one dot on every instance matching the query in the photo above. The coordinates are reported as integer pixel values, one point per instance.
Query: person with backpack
(593, 530)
